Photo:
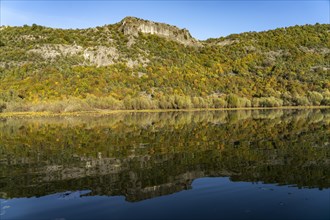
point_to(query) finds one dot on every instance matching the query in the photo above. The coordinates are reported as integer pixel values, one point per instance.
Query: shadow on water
(146, 155)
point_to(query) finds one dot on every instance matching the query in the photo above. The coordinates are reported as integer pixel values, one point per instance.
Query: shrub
(315, 98)
(267, 102)
(244, 102)
(233, 101)
(164, 103)
(219, 103)
(138, 103)
(301, 100)
(19, 106)
(326, 101)
(104, 102)
(55, 107)
(66, 105)
(255, 102)
(199, 102)
(75, 105)
(287, 99)
(3, 106)
(182, 102)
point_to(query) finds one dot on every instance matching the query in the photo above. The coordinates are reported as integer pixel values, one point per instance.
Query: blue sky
(204, 19)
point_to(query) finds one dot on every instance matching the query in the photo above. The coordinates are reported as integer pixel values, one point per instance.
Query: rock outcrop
(134, 26)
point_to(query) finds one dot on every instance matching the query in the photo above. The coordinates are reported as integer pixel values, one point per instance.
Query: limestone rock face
(134, 26)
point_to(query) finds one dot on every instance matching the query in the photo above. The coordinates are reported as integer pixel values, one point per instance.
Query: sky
(204, 19)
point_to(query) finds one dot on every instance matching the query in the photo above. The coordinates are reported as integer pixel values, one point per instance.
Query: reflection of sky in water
(208, 198)
(3, 207)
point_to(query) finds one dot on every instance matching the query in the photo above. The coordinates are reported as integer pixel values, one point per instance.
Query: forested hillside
(139, 64)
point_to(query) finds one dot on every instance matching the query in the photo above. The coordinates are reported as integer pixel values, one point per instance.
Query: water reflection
(146, 155)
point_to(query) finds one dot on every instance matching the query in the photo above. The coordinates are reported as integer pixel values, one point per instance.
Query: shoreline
(5, 115)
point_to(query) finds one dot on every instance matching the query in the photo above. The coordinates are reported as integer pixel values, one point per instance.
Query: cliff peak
(133, 26)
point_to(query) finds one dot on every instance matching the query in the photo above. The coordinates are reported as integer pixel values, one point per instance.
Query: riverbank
(5, 115)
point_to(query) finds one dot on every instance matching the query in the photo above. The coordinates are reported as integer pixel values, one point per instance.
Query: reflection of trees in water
(142, 155)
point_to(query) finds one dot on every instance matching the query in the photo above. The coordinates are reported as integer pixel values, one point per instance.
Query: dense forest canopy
(59, 70)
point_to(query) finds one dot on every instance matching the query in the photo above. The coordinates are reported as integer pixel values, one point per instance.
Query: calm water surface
(262, 164)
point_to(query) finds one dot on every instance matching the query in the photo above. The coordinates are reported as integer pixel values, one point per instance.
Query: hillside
(140, 64)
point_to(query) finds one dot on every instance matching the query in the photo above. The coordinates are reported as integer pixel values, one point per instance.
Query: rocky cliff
(134, 26)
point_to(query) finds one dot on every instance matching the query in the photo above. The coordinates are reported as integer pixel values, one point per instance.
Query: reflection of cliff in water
(144, 155)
